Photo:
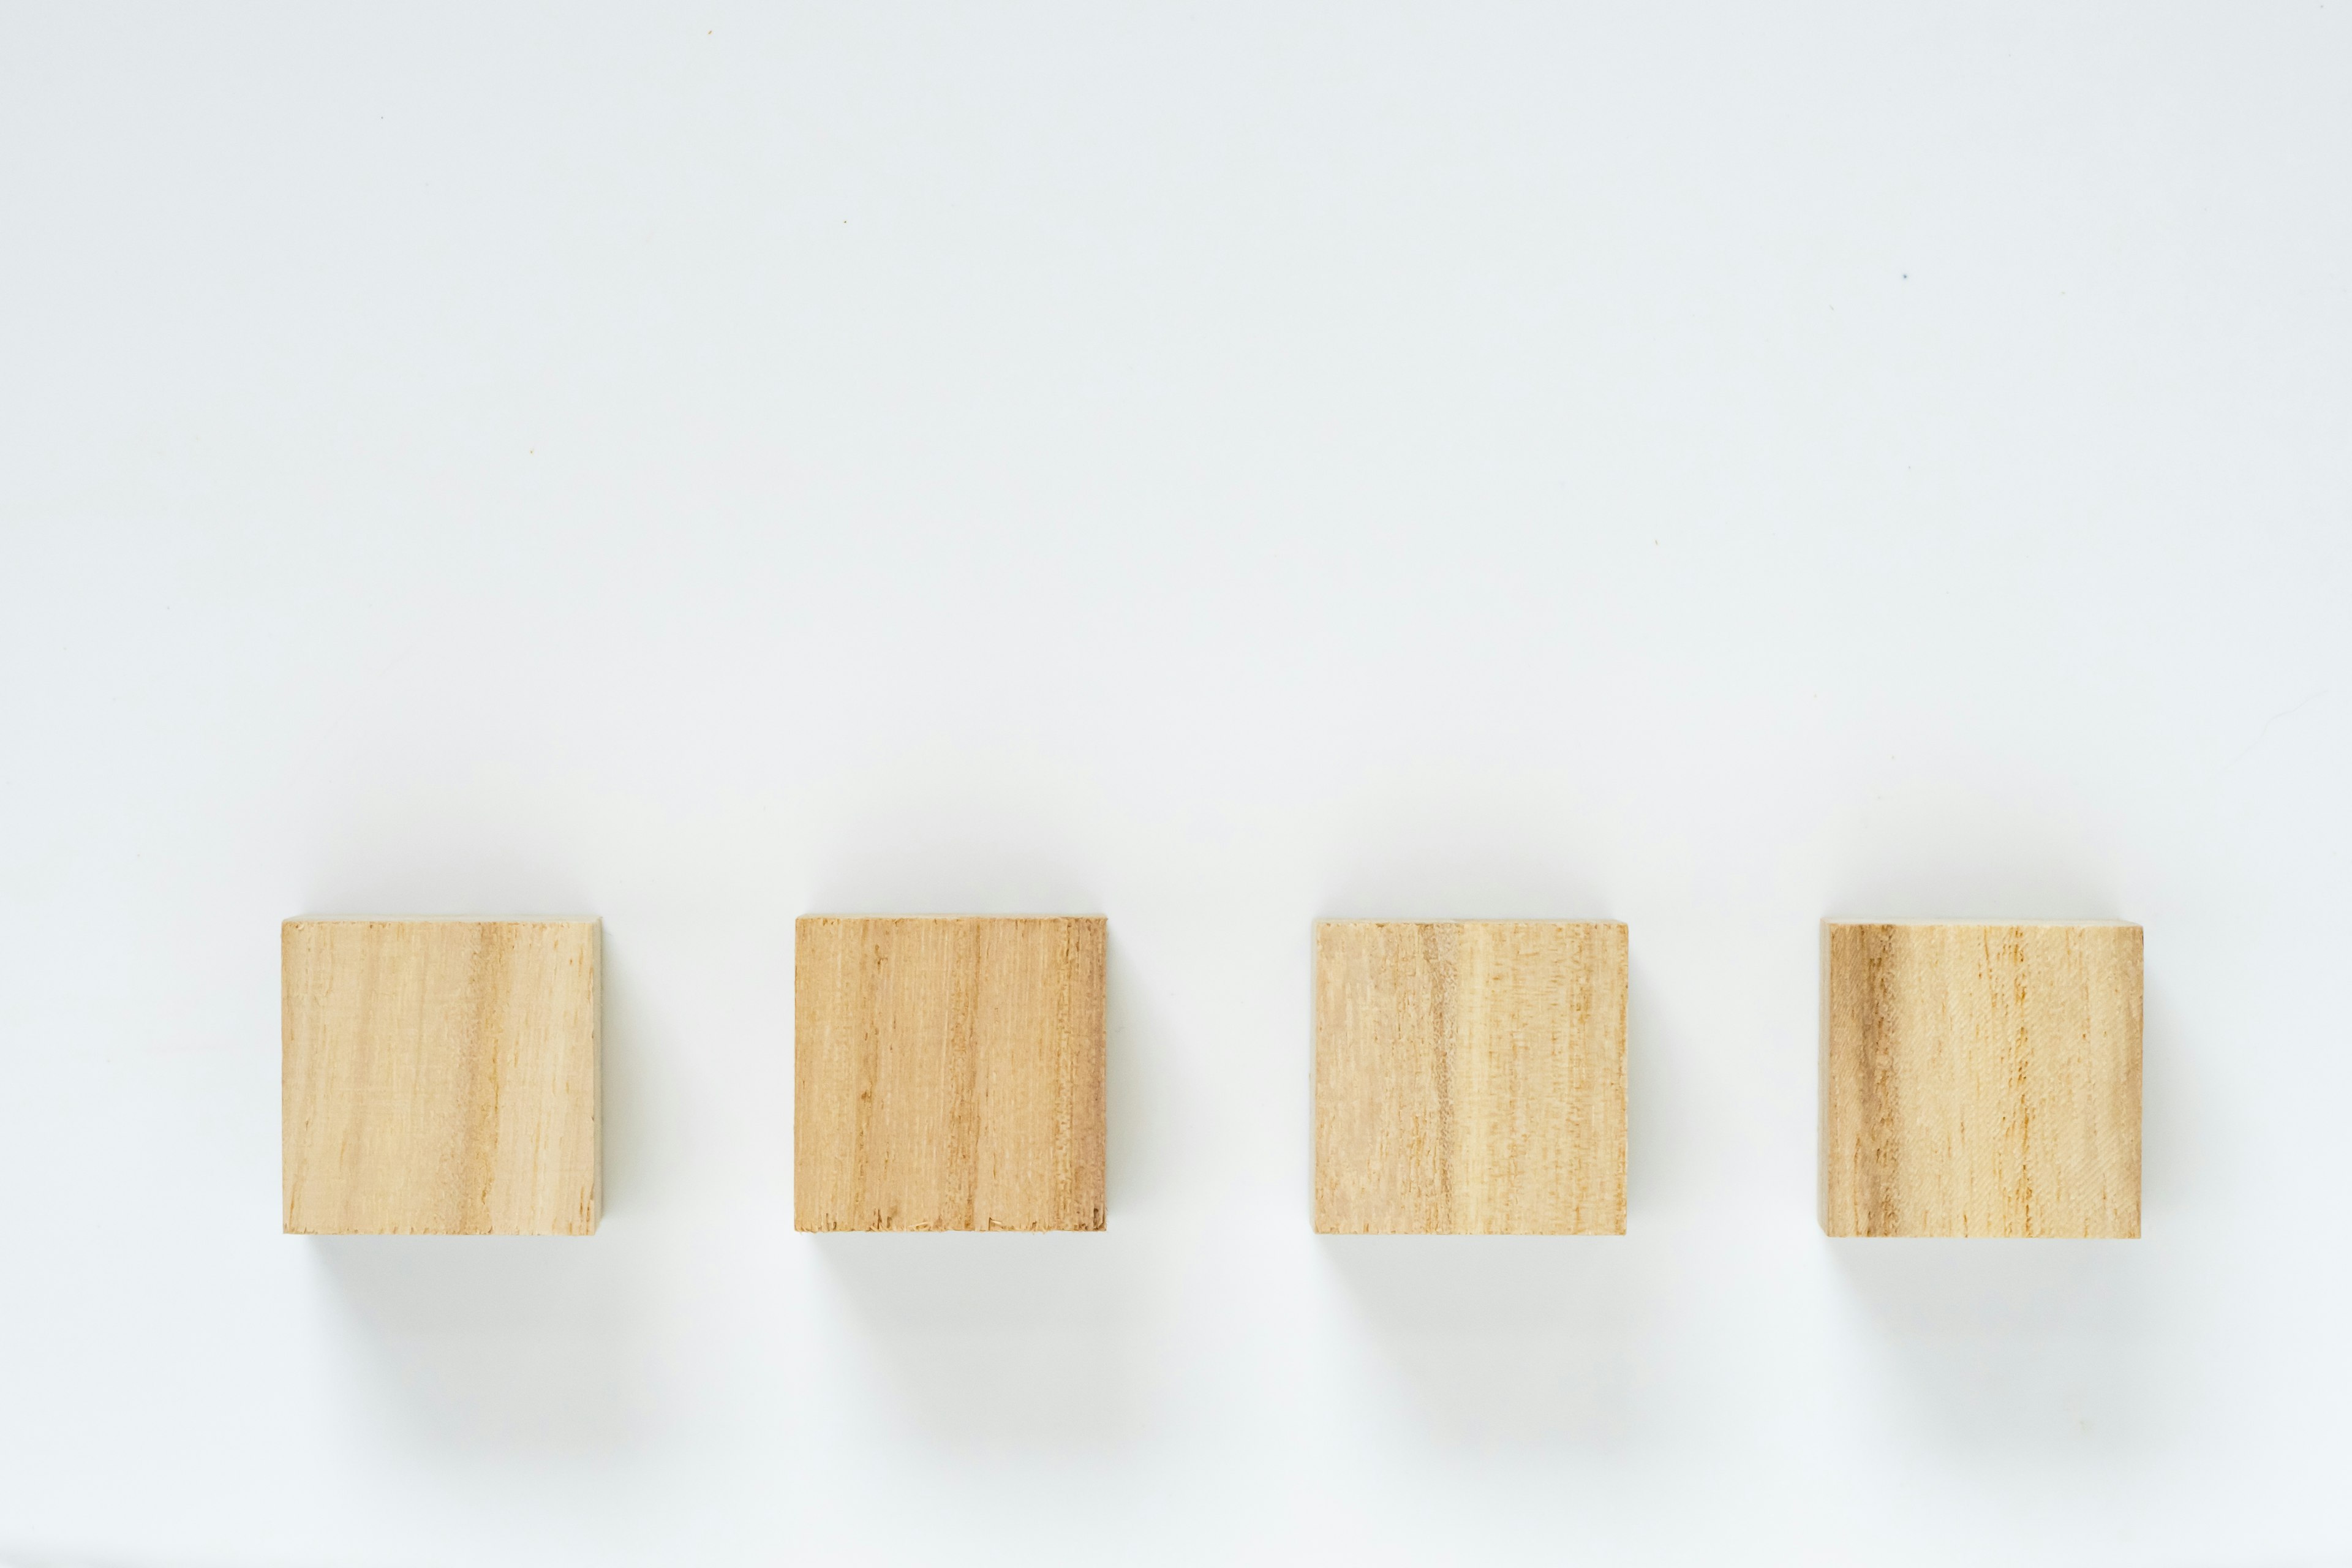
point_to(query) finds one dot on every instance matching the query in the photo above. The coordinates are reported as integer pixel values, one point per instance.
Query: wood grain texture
(1980, 1080)
(948, 1073)
(1470, 1078)
(441, 1077)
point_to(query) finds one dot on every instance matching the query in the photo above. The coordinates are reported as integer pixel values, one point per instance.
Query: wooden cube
(1980, 1078)
(948, 1073)
(1470, 1078)
(440, 1076)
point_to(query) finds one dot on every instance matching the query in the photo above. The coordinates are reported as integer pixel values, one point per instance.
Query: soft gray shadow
(1505, 1341)
(1140, 1142)
(2173, 1161)
(1000, 1340)
(1967, 856)
(915, 869)
(1651, 1132)
(427, 852)
(632, 1113)
(1997, 1343)
(1497, 882)
(530, 1342)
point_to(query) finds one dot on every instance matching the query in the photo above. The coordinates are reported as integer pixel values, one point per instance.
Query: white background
(1216, 467)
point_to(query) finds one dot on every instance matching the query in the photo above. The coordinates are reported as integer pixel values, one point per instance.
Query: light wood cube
(1980, 1078)
(440, 1076)
(948, 1073)
(1470, 1078)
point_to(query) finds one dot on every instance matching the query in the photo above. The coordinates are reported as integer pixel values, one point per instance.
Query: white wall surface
(1708, 467)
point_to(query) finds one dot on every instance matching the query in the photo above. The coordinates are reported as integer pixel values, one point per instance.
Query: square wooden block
(1980, 1078)
(948, 1073)
(440, 1076)
(1470, 1078)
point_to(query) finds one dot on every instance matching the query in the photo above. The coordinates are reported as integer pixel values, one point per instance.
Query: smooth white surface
(1215, 468)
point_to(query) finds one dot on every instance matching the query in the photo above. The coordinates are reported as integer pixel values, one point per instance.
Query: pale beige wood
(948, 1073)
(1470, 1078)
(440, 1076)
(1980, 1078)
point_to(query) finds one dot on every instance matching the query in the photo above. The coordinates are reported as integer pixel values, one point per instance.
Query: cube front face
(948, 1073)
(1470, 1078)
(1980, 1080)
(440, 1076)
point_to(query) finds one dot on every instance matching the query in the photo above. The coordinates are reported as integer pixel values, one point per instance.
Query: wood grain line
(1980, 1078)
(948, 1073)
(1470, 1077)
(441, 1077)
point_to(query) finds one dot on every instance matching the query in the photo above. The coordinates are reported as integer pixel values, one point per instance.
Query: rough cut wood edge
(1858, 1168)
(949, 1072)
(1374, 1173)
(571, 1211)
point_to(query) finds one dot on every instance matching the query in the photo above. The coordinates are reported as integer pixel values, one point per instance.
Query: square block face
(1980, 1080)
(1470, 1078)
(948, 1073)
(440, 1076)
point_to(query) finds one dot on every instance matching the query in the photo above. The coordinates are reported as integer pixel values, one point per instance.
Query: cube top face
(1980, 1080)
(1470, 1078)
(948, 1073)
(441, 1077)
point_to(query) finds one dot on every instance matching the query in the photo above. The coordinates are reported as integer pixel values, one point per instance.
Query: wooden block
(440, 1076)
(948, 1073)
(1980, 1078)
(1470, 1078)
